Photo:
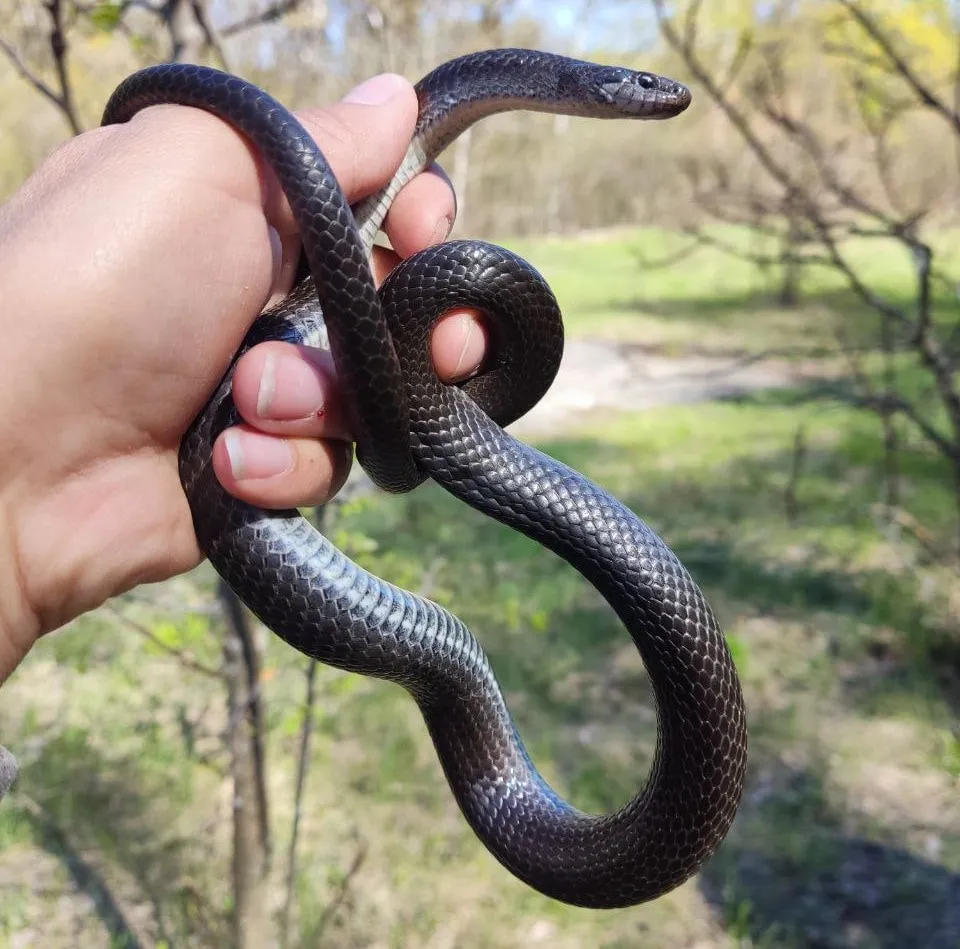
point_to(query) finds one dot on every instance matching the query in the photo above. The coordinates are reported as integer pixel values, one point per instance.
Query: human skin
(132, 263)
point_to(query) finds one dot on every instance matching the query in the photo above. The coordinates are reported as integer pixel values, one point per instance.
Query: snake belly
(409, 426)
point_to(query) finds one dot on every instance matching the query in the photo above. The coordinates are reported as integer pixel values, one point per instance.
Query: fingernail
(468, 357)
(255, 456)
(276, 251)
(441, 230)
(376, 91)
(294, 393)
(268, 385)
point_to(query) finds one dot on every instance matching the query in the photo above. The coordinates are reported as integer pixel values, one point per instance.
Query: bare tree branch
(251, 841)
(270, 13)
(211, 36)
(85, 867)
(58, 47)
(62, 98)
(703, 239)
(239, 623)
(900, 66)
(798, 179)
(31, 77)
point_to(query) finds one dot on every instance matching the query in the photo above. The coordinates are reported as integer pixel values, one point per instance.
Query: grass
(614, 284)
(846, 637)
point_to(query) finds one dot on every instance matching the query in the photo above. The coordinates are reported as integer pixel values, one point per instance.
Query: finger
(363, 138)
(274, 472)
(422, 213)
(281, 389)
(459, 343)
(290, 390)
(460, 339)
(384, 261)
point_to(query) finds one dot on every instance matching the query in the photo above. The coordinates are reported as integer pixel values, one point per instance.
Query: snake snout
(681, 95)
(672, 97)
(645, 95)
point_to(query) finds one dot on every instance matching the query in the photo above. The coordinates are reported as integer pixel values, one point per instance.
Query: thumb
(364, 138)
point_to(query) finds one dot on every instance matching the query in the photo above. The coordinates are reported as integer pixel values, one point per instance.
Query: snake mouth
(677, 100)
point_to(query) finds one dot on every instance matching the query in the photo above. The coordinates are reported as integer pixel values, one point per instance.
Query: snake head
(642, 95)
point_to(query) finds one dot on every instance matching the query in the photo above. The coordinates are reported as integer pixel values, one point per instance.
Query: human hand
(131, 266)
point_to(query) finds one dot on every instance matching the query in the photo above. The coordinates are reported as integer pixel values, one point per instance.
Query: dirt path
(605, 374)
(599, 374)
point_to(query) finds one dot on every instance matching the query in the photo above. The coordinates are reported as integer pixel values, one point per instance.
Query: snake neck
(461, 92)
(458, 93)
(498, 81)
(371, 211)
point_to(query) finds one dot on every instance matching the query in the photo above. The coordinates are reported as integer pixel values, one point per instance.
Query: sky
(592, 23)
(603, 23)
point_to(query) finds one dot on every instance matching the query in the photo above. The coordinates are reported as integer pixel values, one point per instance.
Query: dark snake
(408, 427)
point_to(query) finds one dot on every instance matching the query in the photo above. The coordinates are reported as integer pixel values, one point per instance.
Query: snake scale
(409, 427)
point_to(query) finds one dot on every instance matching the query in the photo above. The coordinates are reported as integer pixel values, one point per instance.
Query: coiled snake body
(408, 426)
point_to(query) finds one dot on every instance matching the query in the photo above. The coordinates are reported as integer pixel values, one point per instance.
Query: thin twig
(87, 874)
(267, 15)
(48, 92)
(796, 468)
(211, 36)
(763, 260)
(303, 757)
(669, 259)
(183, 657)
(240, 628)
(340, 896)
(59, 49)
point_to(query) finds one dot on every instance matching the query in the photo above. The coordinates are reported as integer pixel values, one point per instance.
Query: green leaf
(105, 16)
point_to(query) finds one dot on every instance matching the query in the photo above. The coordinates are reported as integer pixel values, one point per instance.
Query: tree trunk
(251, 843)
(789, 295)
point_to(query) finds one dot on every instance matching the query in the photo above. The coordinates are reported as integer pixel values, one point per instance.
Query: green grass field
(846, 634)
(616, 286)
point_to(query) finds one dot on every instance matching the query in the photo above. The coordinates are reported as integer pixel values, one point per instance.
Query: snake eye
(646, 81)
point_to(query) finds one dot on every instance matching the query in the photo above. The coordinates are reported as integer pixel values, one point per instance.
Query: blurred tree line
(814, 122)
(515, 173)
(521, 174)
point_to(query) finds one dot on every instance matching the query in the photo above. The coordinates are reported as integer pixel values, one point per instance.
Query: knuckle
(338, 142)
